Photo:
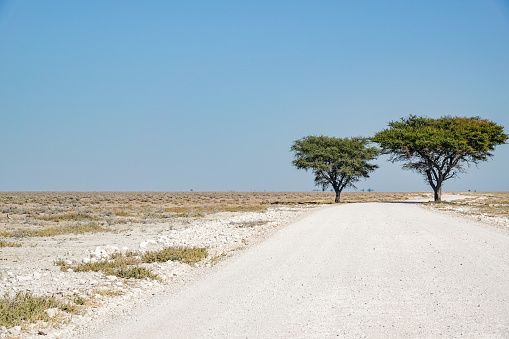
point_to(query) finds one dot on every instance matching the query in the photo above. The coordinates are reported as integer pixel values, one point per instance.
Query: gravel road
(372, 270)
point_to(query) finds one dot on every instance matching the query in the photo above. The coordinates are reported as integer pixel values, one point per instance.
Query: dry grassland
(35, 214)
(32, 220)
(491, 207)
(39, 214)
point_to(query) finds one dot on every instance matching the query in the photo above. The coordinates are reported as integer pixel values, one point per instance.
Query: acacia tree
(336, 162)
(439, 148)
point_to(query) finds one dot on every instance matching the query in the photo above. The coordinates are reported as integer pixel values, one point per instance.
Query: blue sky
(210, 95)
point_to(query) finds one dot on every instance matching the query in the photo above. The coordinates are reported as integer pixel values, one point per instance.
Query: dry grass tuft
(9, 244)
(248, 224)
(115, 267)
(24, 308)
(488, 205)
(53, 231)
(188, 255)
(127, 265)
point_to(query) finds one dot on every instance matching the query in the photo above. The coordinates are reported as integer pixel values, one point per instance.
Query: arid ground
(80, 255)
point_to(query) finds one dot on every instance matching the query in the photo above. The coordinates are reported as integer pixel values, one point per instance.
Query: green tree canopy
(338, 162)
(439, 148)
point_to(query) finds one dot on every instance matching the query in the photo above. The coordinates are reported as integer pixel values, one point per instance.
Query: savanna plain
(69, 257)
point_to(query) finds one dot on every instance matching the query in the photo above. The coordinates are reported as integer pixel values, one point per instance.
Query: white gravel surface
(372, 270)
(32, 267)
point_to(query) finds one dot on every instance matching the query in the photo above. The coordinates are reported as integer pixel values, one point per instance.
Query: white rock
(93, 282)
(111, 277)
(52, 312)
(37, 275)
(163, 239)
(23, 278)
(111, 249)
(15, 330)
(85, 260)
(144, 244)
(98, 252)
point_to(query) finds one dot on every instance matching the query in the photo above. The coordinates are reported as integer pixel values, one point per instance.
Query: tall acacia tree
(439, 148)
(338, 162)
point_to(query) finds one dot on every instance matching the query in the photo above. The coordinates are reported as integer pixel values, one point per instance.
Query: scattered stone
(43, 331)
(52, 312)
(144, 244)
(15, 330)
(39, 274)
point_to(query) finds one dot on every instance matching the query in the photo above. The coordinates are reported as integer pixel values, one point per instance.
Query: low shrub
(9, 244)
(24, 307)
(188, 255)
(53, 231)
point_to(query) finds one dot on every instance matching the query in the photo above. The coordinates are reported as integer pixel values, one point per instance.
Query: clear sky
(210, 95)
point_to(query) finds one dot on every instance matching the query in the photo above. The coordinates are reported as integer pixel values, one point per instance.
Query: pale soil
(487, 207)
(32, 268)
(367, 270)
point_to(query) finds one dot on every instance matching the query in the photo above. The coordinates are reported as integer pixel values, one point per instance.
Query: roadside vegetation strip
(53, 231)
(247, 224)
(115, 268)
(127, 265)
(24, 307)
(68, 217)
(51, 213)
(188, 255)
(478, 204)
(9, 244)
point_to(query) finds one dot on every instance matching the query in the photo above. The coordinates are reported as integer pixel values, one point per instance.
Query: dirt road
(373, 270)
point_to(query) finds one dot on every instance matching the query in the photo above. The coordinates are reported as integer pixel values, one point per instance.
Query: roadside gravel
(372, 270)
(32, 266)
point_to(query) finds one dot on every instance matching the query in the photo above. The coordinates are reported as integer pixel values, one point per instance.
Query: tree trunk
(438, 192)
(338, 194)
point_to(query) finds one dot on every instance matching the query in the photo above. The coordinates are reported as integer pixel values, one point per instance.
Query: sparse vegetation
(42, 214)
(68, 217)
(188, 255)
(9, 244)
(492, 206)
(108, 292)
(53, 231)
(117, 267)
(25, 307)
(247, 224)
(217, 258)
(127, 265)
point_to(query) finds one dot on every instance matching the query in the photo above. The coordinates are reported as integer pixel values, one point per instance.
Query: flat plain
(88, 250)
